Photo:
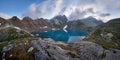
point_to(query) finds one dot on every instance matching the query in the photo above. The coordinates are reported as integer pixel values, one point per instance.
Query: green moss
(66, 47)
(12, 31)
(106, 44)
(2, 45)
(13, 34)
(73, 50)
(103, 54)
(20, 52)
(97, 38)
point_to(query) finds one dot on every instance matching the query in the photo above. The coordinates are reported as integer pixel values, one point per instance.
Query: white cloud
(108, 4)
(47, 9)
(5, 16)
(74, 9)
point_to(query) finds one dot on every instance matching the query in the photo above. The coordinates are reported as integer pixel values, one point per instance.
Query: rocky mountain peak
(61, 17)
(94, 20)
(58, 21)
(90, 17)
(27, 18)
(15, 18)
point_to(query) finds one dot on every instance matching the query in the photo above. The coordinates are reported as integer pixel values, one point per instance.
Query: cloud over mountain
(77, 9)
(4, 16)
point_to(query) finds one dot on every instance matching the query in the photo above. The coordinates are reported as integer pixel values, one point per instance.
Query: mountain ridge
(57, 22)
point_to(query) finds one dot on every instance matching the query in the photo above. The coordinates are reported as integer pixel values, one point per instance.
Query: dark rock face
(15, 21)
(29, 24)
(35, 25)
(3, 22)
(91, 22)
(88, 50)
(59, 21)
(84, 24)
(75, 25)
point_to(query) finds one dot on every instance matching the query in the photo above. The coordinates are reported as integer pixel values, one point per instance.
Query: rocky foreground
(38, 49)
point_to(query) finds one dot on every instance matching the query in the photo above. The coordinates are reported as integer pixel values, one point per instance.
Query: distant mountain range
(57, 22)
(84, 24)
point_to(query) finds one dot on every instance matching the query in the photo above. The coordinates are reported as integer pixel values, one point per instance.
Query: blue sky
(77, 9)
(16, 7)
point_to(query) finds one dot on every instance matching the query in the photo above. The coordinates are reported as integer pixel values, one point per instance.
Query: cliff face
(59, 21)
(35, 25)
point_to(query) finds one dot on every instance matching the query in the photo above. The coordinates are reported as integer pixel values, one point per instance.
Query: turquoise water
(60, 35)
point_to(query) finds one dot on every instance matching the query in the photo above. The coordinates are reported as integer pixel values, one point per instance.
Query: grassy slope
(11, 35)
(113, 27)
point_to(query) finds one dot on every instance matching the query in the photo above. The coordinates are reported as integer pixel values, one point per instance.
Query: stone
(30, 49)
(7, 48)
(112, 54)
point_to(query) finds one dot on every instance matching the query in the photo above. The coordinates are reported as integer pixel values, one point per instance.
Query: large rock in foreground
(50, 50)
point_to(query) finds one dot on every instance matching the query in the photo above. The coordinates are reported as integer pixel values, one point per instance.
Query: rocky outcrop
(15, 21)
(11, 33)
(50, 50)
(88, 50)
(107, 34)
(112, 54)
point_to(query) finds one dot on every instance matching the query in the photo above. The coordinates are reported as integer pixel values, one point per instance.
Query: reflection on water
(75, 38)
(61, 35)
